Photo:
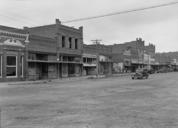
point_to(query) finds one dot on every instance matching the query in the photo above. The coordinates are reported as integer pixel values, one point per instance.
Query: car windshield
(139, 70)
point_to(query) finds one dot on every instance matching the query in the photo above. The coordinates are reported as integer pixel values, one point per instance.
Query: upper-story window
(63, 41)
(76, 43)
(70, 42)
(84, 60)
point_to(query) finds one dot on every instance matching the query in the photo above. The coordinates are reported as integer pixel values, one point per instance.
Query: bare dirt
(117, 102)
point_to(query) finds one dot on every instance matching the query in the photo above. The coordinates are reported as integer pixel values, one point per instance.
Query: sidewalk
(61, 80)
(121, 74)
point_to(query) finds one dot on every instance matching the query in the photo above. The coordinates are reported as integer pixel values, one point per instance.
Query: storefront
(12, 55)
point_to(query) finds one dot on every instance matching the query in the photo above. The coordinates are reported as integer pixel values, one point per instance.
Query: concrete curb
(63, 79)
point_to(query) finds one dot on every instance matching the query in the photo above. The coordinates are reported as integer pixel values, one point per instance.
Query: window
(0, 65)
(63, 41)
(70, 42)
(31, 56)
(76, 43)
(11, 68)
(84, 60)
(21, 66)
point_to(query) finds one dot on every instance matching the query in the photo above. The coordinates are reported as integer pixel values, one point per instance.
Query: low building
(90, 63)
(103, 57)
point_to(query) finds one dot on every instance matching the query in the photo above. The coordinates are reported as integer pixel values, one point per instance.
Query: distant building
(103, 58)
(90, 63)
(131, 54)
(150, 49)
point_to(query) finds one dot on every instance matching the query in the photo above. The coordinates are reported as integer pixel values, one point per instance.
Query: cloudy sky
(158, 26)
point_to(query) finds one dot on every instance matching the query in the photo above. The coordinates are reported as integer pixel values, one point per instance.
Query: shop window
(76, 43)
(70, 42)
(0, 65)
(11, 66)
(63, 41)
(21, 66)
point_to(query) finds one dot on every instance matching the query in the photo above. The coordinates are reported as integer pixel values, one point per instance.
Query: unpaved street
(117, 102)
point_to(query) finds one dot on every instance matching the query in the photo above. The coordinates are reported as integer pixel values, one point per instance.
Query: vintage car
(140, 74)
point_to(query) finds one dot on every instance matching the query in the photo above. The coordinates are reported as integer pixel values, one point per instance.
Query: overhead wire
(121, 12)
(94, 17)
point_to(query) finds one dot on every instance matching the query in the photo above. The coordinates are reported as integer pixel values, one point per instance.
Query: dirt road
(102, 103)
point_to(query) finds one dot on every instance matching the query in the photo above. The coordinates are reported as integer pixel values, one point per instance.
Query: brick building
(129, 54)
(66, 45)
(150, 49)
(43, 52)
(57, 51)
(13, 52)
(149, 57)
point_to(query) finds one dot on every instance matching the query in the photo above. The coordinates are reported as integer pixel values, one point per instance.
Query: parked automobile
(140, 74)
(151, 71)
(165, 70)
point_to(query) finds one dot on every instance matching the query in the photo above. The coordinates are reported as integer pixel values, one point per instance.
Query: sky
(157, 26)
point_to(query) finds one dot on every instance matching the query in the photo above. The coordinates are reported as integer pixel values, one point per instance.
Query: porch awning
(44, 61)
(51, 61)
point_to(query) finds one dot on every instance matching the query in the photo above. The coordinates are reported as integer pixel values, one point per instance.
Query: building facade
(57, 51)
(64, 59)
(103, 58)
(13, 52)
(43, 52)
(90, 64)
(129, 54)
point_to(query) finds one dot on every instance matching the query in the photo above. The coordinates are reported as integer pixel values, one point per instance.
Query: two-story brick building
(129, 54)
(43, 52)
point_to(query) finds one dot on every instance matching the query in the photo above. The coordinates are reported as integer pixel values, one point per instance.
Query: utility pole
(96, 41)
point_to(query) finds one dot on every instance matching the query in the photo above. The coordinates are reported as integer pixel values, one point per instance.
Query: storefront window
(11, 68)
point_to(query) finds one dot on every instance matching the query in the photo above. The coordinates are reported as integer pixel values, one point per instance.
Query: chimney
(58, 21)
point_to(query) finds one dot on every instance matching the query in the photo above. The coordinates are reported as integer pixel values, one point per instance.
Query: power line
(121, 12)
